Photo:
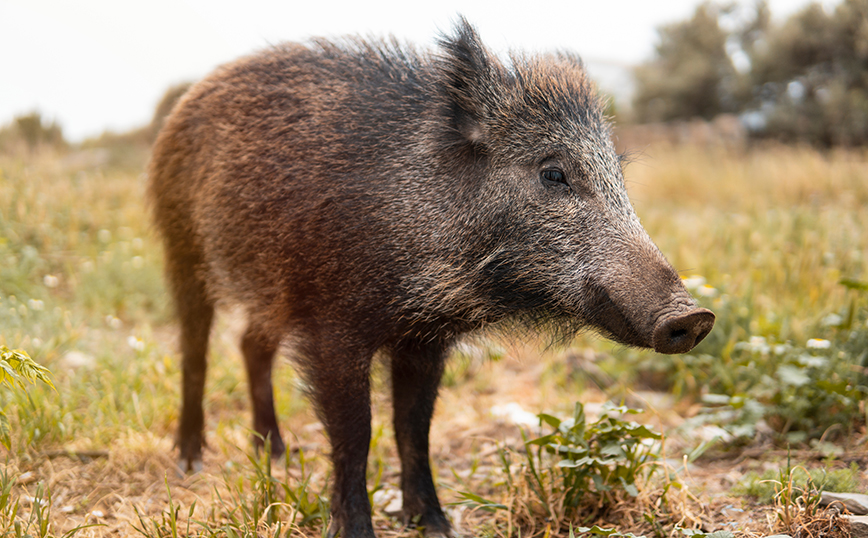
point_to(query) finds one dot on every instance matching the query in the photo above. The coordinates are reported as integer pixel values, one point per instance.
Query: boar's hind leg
(259, 350)
(416, 371)
(340, 386)
(196, 311)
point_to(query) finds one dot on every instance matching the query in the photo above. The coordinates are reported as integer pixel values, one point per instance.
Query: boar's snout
(682, 332)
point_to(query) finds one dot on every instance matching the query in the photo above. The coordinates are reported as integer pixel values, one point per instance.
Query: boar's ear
(471, 75)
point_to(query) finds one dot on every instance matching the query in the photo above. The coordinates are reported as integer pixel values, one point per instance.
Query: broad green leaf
(643, 432)
(471, 499)
(5, 437)
(630, 488)
(854, 284)
(613, 449)
(542, 441)
(554, 422)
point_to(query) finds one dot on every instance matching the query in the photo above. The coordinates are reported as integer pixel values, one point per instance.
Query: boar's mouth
(677, 328)
(611, 320)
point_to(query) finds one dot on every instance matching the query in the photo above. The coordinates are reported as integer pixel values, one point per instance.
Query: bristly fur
(362, 196)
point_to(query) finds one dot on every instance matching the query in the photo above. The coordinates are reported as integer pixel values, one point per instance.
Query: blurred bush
(31, 131)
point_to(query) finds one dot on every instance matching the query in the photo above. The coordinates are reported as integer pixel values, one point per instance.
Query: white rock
(396, 506)
(858, 526)
(856, 503)
(513, 413)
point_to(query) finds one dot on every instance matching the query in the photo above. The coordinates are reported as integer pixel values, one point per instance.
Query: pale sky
(104, 64)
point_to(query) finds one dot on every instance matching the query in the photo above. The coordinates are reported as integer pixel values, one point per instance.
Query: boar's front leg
(416, 371)
(339, 377)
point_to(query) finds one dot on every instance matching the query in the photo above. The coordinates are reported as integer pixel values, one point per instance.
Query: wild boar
(361, 196)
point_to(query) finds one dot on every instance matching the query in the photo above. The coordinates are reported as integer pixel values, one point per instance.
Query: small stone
(856, 503)
(382, 495)
(396, 506)
(858, 526)
(391, 499)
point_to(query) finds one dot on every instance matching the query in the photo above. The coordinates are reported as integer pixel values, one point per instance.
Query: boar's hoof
(436, 528)
(681, 333)
(190, 466)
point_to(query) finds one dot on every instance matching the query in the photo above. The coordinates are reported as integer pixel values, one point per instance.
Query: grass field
(765, 238)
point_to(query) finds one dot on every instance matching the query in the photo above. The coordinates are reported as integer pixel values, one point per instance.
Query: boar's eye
(551, 176)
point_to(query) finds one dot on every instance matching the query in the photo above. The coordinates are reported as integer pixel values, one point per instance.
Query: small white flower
(135, 343)
(693, 282)
(706, 291)
(35, 304)
(819, 343)
(50, 281)
(758, 344)
(113, 322)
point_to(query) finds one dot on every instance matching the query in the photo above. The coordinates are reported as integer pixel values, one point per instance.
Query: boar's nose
(681, 333)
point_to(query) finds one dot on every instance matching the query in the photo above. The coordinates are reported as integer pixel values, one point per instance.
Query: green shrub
(579, 472)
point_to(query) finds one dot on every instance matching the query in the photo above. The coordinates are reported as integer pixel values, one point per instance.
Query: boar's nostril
(681, 333)
(678, 334)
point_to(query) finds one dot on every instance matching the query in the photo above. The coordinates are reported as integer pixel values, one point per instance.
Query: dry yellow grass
(775, 228)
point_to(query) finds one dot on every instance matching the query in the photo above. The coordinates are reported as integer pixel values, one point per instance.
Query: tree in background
(806, 78)
(810, 76)
(691, 74)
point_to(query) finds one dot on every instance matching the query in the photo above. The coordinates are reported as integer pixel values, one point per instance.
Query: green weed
(581, 471)
(763, 487)
(597, 458)
(15, 522)
(250, 502)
